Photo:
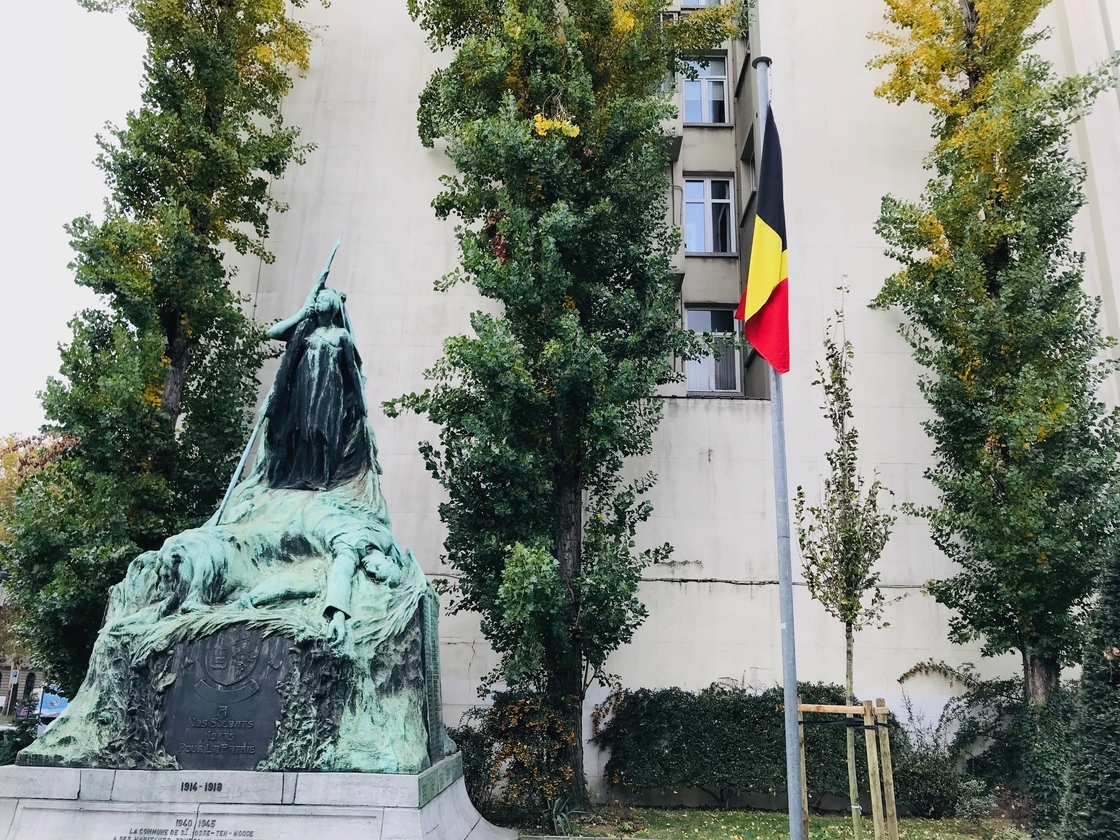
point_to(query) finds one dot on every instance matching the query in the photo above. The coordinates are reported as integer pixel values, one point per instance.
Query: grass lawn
(662, 824)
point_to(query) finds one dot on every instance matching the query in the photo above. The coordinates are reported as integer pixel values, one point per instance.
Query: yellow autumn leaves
(542, 125)
(942, 52)
(284, 41)
(963, 58)
(622, 19)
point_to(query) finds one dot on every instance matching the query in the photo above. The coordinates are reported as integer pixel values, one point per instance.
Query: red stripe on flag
(768, 330)
(741, 309)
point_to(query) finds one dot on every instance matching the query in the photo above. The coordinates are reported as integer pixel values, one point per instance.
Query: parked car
(51, 705)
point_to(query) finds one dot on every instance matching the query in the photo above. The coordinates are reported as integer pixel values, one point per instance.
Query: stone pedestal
(53, 803)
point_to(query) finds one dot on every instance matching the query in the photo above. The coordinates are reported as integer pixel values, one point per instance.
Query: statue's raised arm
(282, 330)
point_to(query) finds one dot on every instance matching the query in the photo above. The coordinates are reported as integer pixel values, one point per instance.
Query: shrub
(512, 760)
(477, 748)
(1094, 801)
(1020, 748)
(927, 783)
(726, 742)
(1020, 751)
(722, 741)
(975, 804)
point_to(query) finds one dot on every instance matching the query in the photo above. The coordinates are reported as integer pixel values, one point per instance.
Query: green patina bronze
(302, 550)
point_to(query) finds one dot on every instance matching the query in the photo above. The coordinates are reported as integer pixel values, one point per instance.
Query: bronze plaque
(222, 710)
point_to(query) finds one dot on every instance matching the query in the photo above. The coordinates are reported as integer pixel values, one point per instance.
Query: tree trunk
(1040, 675)
(850, 699)
(566, 677)
(179, 352)
(1045, 758)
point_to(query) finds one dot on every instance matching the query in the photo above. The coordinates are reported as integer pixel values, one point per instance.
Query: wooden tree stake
(888, 771)
(873, 769)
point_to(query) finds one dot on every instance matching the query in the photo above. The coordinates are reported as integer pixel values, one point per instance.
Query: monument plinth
(81, 804)
(275, 671)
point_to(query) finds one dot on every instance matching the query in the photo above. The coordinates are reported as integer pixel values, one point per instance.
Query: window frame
(708, 202)
(748, 178)
(706, 81)
(709, 358)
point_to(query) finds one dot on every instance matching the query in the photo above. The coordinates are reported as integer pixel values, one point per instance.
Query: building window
(705, 98)
(717, 372)
(750, 176)
(690, 3)
(707, 216)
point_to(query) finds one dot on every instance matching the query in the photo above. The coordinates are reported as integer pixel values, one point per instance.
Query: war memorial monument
(274, 673)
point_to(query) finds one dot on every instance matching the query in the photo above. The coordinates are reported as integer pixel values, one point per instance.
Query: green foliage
(975, 803)
(20, 458)
(25, 731)
(1094, 803)
(552, 113)
(709, 824)
(536, 604)
(927, 783)
(1045, 736)
(722, 741)
(996, 313)
(477, 748)
(157, 386)
(928, 763)
(843, 538)
(728, 742)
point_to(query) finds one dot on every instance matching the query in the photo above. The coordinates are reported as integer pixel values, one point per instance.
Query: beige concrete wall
(1084, 36)
(713, 614)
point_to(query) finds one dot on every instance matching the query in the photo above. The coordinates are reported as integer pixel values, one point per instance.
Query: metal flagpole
(794, 781)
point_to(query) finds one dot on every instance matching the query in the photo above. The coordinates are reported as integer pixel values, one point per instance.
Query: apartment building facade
(714, 609)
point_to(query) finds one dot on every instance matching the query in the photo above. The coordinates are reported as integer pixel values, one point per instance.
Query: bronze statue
(296, 583)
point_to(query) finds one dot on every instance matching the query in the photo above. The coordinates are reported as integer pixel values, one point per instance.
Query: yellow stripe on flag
(769, 267)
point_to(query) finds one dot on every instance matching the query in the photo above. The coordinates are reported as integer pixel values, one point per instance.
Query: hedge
(722, 741)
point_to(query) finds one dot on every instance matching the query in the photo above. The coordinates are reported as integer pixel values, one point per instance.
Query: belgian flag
(765, 303)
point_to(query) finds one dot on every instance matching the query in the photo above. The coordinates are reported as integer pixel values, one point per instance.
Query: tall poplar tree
(996, 313)
(553, 114)
(157, 385)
